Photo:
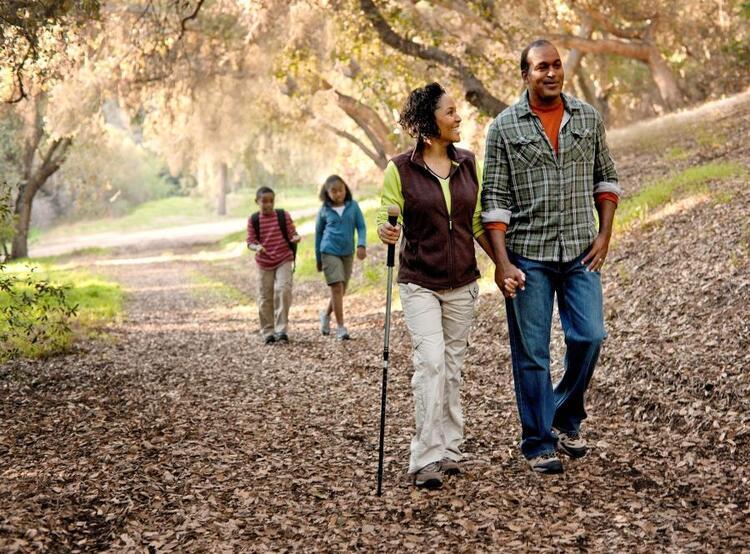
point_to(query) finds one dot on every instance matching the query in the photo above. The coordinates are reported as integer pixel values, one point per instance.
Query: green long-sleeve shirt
(393, 196)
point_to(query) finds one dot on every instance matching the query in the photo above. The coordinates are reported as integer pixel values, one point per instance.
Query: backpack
(280, 215)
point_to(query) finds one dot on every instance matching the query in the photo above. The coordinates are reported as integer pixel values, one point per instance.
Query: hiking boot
(450, 467)
(547, 463)
(325, 323)
(282, 337)
(429, 477)
(269, 339)
(342, 333)
(571, 443)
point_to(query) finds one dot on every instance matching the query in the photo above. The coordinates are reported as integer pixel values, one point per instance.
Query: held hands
(388, 233)
(256, 247)
(295, 238)
(594, 260)
(361, 252)
(508, 279)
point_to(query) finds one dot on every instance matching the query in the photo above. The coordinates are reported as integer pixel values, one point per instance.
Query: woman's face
(447, 119)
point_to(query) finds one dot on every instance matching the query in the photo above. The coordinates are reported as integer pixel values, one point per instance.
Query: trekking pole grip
(393, 213)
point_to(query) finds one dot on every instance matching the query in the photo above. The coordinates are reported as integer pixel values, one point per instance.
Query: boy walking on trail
(271, 234)
(547, 168)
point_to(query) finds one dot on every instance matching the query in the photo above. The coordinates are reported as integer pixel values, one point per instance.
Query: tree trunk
(221, 204)
(20, 245)
(51, 162)
(665, 80)
(371, 123)
(644, 51)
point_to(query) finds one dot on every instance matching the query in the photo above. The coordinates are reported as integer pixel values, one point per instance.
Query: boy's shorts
(337, 269)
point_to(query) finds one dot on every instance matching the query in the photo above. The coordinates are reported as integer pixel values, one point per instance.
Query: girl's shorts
(337, 269)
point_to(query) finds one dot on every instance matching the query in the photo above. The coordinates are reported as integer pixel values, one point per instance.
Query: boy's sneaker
(450, 467)
(571, 443)
(429, 477)
(342, 333)
(325, 323)
(547, 463)
(269, 339)
(282, 337)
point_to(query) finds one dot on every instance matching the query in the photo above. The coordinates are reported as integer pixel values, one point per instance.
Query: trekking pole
(393, 213)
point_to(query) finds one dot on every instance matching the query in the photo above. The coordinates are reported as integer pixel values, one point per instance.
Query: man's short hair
(525, 54)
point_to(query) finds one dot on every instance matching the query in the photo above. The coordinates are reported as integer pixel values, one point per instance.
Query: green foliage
(37, 308)
(694, 179)
(40, 307)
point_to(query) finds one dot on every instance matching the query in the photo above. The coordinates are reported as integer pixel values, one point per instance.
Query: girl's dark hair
(332, 180)
(263, 190)
(418, 115)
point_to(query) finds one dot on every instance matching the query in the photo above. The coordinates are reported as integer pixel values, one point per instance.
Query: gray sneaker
(325, 323)
(571, 443)
(342, 333)
(429, 477)
(450, 467)
(547, 463)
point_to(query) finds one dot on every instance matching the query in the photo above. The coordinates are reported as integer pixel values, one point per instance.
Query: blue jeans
(579, 301)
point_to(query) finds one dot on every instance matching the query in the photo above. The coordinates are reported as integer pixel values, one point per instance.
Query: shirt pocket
(582, 147)
(527, 151)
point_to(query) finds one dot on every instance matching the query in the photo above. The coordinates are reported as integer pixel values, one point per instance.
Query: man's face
(265, 201)
(545, 75)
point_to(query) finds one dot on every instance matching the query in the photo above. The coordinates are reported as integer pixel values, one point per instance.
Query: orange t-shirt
(551, 118)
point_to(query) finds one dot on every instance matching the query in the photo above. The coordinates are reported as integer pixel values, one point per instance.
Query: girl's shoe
(342, 333)
(325, 323)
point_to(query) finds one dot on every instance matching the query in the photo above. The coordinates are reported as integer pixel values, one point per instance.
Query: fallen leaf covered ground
(177, 430)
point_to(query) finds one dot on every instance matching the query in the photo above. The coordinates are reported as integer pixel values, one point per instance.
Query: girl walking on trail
(337, 220)
(271, 234)
(438, 188)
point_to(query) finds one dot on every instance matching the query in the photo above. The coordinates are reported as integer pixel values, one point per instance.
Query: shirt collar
(456, 155)
(524, 108)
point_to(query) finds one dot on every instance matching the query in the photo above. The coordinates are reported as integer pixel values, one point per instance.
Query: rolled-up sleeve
(605, 174)
(496, 198)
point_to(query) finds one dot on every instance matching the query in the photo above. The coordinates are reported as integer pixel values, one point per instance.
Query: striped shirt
(275, 251)
(546, 200)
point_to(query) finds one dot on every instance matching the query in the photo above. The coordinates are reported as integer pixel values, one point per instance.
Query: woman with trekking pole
(437, 188)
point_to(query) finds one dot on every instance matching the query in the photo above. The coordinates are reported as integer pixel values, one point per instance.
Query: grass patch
(97, 301)
(635, 209)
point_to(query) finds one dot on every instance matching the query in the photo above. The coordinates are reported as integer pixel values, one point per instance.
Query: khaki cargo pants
(439, 324)
(274, 298)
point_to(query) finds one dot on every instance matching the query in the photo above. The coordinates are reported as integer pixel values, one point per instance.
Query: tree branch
(475, 91)
(636, 50)
(194, 15)
(379, 160)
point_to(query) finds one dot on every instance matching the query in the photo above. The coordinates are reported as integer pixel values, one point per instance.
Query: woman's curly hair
(418, 115)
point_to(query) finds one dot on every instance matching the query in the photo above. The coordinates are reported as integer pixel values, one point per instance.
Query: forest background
(110, 104)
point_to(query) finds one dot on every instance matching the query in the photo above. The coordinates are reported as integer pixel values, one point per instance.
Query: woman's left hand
(361, 252)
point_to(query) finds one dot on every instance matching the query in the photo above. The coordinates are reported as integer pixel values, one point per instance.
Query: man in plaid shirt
(547, 168)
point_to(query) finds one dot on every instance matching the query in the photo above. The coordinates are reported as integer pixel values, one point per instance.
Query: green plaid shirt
(547, 200)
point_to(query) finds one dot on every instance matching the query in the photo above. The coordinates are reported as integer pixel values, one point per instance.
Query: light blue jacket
(334, 233)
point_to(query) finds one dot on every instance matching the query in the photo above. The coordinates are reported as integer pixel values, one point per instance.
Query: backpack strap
(281, 216)
(255, 219)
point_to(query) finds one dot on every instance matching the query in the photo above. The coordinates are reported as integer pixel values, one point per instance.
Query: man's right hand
(509, 279)
(388, 233)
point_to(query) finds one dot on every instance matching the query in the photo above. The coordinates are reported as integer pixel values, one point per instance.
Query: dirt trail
(179, 431)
